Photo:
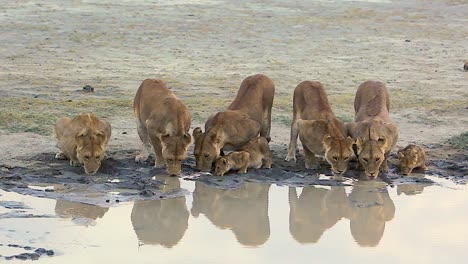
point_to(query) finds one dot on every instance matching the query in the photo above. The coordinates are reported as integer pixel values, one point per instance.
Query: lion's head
(90, 148)
(338, 152)
(207, 148)
(174, 151)
(222, 166)
(409, 158)
(371, 155)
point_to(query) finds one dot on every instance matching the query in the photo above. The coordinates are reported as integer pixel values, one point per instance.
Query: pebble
(88, 89)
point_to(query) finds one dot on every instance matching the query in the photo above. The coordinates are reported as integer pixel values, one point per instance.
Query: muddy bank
(121, 179)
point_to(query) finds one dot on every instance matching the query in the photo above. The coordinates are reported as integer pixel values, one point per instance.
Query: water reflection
(81, 211)
(161, 222)
(411, 189)
(314, 211)
(370, 208)
(243, 210)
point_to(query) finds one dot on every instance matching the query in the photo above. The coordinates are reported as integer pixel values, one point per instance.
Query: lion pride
(318, 129)
(246, 117)
(163, 122)
(374, 131)
(82, 140)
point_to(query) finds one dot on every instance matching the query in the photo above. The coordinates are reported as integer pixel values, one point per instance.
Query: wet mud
(121, 179)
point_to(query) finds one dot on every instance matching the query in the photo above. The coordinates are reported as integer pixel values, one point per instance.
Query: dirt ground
(203, 50)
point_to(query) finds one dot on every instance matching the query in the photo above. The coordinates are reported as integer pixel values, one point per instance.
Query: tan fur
(318, 128)
(373, 130)
(236, 160)
(253, 155)
(410, 158)
(82, 140)
(163, 122)
(161, 222)
(244, 210)
(248, 116)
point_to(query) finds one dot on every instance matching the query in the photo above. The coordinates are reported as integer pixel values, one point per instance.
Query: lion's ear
(383, 144)
(359, 144)
(327, 141)
(349, 141)
(400, 155)
(187, 138)
(197, 132)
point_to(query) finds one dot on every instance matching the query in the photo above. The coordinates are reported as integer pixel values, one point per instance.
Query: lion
(246, 117)
(244, 210)
(318, 129)
(236, 160)
(372, 128)
(82, 140)
(410, 158)
(163, 123)
(161, 222)
(253, 155)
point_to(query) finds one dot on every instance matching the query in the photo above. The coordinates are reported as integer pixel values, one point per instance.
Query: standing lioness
(374, 131)
(247, 116)
(82, 140)
(318, 128)
(163, 122)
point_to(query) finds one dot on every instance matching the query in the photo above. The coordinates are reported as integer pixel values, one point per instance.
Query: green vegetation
(22, 114)
(460, 141)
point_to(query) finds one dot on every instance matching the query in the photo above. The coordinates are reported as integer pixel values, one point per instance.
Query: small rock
(124, 133)
(465, 66)
(70, 101)
(117, 201)
(147, 193)
(408, 40)
(88, 89)
(107, 200)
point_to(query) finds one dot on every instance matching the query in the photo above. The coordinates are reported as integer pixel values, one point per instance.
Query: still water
(258, 223)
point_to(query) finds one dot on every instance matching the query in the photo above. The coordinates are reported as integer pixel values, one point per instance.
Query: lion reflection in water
(161, 222)
(243, 210)
(77, 210)
(368, 207)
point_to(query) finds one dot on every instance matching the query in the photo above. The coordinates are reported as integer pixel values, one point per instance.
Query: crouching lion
(82, 140)
(163, 122)
(247, 116)
(374, 131)
(253, 155)
(410, 158)
(318, 129)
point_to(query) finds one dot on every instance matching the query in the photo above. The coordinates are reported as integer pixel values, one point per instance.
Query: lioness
(82, 140)
(374, 131)
(163, 122)
(410, 158)
(253, 155)
(247, 116)
(318, 128)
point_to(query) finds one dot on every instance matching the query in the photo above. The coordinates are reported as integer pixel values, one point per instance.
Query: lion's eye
(86, 157)
(170, 160)
(365, 160)
(98, 157)
(346, 159)
(377, 159)
(207, 155)
(335, 157)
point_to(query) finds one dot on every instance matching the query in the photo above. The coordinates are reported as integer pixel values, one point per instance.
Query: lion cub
(255, 154)
(82, 140)
(410, 158)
